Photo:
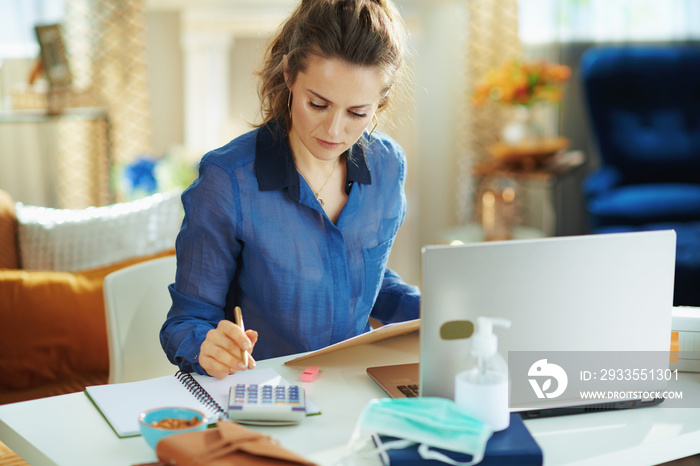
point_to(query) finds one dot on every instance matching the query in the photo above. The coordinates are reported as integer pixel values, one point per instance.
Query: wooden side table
(81, 157)
(540, 175)
(529, 154)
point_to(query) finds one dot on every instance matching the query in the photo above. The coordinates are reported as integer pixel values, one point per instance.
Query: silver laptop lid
(611, 292)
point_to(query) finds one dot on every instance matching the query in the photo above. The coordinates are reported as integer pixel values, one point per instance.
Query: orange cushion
(9, 258)
(53, 325)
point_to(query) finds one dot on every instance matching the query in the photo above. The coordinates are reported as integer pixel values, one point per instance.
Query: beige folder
(381, 333)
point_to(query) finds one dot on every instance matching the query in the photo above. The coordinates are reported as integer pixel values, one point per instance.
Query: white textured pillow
(69, 240)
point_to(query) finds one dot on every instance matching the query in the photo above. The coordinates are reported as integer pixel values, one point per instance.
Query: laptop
(602, 296)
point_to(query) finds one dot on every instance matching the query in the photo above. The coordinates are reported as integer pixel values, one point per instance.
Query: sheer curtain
(492, 36)
(569, 21)
(106, 40)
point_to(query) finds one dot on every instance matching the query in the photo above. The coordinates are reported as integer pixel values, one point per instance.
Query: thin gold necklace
(318, 193)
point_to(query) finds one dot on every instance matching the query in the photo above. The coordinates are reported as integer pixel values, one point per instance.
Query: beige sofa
(53, 336)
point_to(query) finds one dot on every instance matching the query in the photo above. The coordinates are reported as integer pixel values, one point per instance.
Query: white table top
(68, 430)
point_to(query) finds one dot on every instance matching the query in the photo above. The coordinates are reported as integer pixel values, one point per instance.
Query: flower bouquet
(518, 82)
(522, 85)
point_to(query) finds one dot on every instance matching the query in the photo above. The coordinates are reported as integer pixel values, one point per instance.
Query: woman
(294, 221)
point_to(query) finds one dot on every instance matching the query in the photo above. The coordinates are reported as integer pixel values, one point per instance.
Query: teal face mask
(427, 421)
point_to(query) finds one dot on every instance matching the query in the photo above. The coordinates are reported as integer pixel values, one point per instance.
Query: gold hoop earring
(289, 104)
(376, 122)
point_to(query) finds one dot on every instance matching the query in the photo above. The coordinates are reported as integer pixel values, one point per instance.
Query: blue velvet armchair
(644, 113)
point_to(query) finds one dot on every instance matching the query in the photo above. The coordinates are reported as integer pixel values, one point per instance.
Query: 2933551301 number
(638, 374)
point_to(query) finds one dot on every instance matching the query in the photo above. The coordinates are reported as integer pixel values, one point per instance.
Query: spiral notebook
(121, 403)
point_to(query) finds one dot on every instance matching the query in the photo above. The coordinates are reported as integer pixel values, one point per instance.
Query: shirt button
(350, 184)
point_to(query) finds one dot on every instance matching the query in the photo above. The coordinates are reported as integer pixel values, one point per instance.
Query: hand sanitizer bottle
(482, 387)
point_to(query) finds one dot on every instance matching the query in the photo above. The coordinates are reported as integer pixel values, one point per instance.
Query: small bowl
(153, 434)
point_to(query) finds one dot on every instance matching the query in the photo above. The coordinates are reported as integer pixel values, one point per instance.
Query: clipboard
(381, 333)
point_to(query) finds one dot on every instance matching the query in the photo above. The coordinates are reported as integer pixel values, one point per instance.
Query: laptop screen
(592, 293)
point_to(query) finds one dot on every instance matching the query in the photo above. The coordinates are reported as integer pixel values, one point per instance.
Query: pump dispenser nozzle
(484, 341)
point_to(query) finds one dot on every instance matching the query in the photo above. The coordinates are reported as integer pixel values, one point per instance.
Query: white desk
(68, 430)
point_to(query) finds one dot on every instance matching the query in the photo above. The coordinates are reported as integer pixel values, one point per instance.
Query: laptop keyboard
(409, 391)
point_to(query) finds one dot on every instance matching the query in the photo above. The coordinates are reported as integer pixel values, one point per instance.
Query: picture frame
(54, 60)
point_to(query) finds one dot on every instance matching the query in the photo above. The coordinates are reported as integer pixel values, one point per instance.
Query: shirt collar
(274, 165)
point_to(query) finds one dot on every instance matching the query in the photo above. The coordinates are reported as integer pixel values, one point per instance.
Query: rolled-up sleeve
(206, 256)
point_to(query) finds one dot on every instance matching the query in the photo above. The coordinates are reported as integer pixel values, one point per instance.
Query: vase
(521, 127)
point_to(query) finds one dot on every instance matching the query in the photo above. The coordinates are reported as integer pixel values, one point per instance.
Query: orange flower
(522, 83)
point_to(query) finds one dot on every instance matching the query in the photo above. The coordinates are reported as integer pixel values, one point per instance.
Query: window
(546, 21)
(17, 21)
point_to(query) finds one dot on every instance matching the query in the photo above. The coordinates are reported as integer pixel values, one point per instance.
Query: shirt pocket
(375, 263)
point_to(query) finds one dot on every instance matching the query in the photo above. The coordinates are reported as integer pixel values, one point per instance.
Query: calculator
(261, 404)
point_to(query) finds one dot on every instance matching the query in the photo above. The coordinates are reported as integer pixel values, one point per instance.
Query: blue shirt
(255, 236)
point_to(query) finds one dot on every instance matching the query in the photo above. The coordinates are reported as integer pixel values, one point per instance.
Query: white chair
(136, 304)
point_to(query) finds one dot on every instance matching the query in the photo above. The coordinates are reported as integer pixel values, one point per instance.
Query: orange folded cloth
(228, 443)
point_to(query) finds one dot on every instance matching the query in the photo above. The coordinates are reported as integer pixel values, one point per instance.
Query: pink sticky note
(310, 374)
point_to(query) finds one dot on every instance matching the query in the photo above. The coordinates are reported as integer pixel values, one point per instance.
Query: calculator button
(266, 404)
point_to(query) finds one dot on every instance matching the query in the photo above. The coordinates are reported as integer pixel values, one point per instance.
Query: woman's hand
(222, 350)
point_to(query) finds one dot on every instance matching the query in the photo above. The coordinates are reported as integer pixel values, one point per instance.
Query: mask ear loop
(357, 448)
(427, 454)
(354, 447)
(357, 451)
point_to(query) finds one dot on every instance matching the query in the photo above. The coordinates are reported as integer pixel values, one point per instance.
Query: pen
(238, 315)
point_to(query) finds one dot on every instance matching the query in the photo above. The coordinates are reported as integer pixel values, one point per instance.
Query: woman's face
(332, 104)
